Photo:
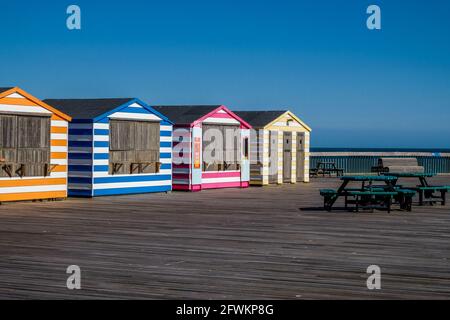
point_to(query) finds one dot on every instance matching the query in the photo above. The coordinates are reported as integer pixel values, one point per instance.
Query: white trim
(23, 109)
(103, 186)
(101, 150)
(15, 95)
(52, 176)
(59, 123)
(134, 116)
(221, 180)
(61, 162)
(58, 136)
(166, 160)
(40, 188)
(165, 128)
(101, 126)
(213, 120)
(166, 139)
(104, 174)
(101, 138)
(165, 150)
(58, 149)
(100, 162)
(135, 105)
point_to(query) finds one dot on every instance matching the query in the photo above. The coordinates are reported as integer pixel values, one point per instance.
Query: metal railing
(364, 163)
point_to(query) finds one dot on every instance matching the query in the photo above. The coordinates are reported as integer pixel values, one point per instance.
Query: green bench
(376, 198)
(405, 198)
(360, 197)
(328, 195)
(427, 194)
(371, 199)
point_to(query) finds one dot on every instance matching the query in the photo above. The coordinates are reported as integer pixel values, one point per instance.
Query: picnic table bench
(369, 196)
(326, 168)
(427, 193)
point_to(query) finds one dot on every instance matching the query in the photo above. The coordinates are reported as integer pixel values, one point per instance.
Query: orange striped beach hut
(33, 148)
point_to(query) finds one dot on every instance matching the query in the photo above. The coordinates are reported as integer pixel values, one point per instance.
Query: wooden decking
(258, 243)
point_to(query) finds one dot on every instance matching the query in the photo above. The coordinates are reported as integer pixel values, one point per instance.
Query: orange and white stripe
(17, 101)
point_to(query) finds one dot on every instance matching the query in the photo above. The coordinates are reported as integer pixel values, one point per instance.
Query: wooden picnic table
(325, 168)
(367, 190)
(426, 191)
(421, 176)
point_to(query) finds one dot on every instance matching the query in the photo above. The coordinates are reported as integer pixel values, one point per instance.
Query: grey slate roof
(5, 89)
(86, 108)
(185, 114)
(259, 118)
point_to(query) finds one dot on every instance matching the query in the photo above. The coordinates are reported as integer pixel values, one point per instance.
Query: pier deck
(222, 244)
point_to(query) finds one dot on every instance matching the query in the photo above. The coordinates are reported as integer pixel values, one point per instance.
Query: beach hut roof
(86, 108)
(261, 119)
(193, 114)
(6, 92)
(97, 109)
(5, 89)
(186, 114)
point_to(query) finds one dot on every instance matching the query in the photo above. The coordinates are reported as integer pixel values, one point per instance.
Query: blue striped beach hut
(117, 146)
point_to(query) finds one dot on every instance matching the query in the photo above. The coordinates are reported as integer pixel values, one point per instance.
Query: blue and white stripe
(89, 158)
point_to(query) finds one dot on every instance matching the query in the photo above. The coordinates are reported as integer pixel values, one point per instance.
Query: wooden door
(300, 157)
(273, 157)
(287, 157)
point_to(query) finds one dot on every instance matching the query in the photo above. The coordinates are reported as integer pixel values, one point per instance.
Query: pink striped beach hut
(210, 147)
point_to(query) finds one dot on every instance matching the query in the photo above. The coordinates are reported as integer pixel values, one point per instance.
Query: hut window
(246, 148)
(221, 147)
(24, 145)
(134, 147)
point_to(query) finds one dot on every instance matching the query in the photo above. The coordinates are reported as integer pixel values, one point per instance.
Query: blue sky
(355, 87)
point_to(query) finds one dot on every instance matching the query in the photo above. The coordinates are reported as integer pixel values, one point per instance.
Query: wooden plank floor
(258, 243)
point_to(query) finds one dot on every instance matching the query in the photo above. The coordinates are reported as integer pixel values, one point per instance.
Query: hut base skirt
(196, 188)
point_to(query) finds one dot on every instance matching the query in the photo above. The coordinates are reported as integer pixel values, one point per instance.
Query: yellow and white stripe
(287, 122)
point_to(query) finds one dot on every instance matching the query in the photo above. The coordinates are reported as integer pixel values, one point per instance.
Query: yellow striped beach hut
(280, 147)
